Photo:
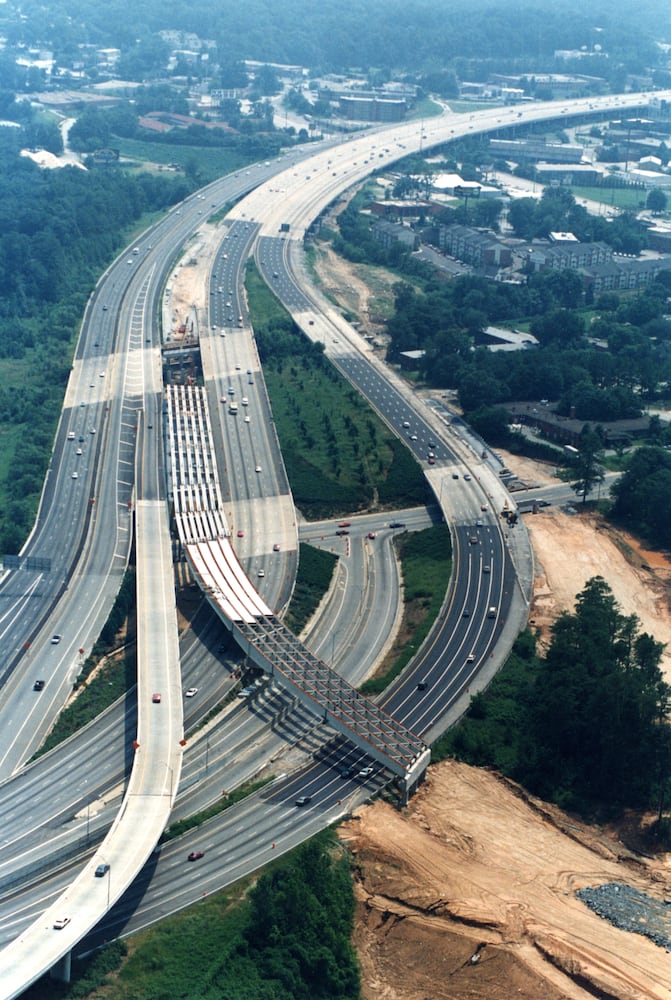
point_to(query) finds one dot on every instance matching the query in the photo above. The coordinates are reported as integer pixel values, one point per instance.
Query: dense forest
(585, 726)
(61, 228)
(421, 36)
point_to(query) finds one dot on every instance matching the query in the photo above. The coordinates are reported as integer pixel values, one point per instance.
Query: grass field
(210, 162)
(627, 199)
(340, 457)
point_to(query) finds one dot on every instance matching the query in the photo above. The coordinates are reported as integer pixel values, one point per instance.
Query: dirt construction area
(472, 892)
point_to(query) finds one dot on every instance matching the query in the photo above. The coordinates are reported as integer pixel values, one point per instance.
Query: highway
(113, 422)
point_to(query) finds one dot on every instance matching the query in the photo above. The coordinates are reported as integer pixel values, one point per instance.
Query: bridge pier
(62, 971)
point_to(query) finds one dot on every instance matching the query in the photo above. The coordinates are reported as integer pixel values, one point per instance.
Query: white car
(62, 921)
(258, 468)
(191, 692)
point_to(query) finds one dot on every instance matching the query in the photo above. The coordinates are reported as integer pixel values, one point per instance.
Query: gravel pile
(631, 910)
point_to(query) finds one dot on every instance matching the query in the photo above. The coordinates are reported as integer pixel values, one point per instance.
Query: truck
(233, 408)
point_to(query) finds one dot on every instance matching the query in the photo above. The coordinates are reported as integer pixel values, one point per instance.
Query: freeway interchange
(79, 548)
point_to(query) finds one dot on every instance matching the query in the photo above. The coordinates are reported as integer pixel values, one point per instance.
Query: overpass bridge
(206, 541)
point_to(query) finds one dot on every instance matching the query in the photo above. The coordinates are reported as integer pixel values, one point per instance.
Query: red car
(344, 524)
(156, 698)
(196, 855)
(241, 533)
(372, 534)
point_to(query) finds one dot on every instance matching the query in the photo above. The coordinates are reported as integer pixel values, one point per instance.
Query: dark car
(397, 524)
(422, 685)
(303, 800)
(346, 772)
(38, 686)
(342, 531)
(101, 870)
(196, 855)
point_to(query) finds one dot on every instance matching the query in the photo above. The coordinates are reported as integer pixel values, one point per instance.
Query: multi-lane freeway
(91, 511)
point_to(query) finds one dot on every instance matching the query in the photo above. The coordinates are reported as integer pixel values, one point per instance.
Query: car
(62, 921)
(92, 430)
(397, 524)
(241, 533)
(104, 309)
(470, 658)
(258, 468)
(303, 800)
(190, 692)
(431, 444)
(55, 639)
(486, 568)
(231, 390)
(432, 461)
(473, 540)
(261, 572)
(196, 855)
(342, 531)
(101, 374)
(244, 401)
(455, 475)
(156, 698)
(365, 772)
(81, 438)
(431, 455)
(75, 475)
(372, 534)
(413, 437)
(247, 420)
(346, 772)
(249, 371)
(467, 477)
(422, 685)
(247, 692)
(101, 870)
(344, 524)
(478, 523)
(78, 452)
(237, 368)
(406, 423)
(483, 506)
(276, 547)
(38, 685)
(466, 613)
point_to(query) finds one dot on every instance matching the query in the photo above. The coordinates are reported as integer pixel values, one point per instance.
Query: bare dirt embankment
(471, 894)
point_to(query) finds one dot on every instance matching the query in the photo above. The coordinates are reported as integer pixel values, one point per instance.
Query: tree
(656, 201)
(601, 680)
(588, 465)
